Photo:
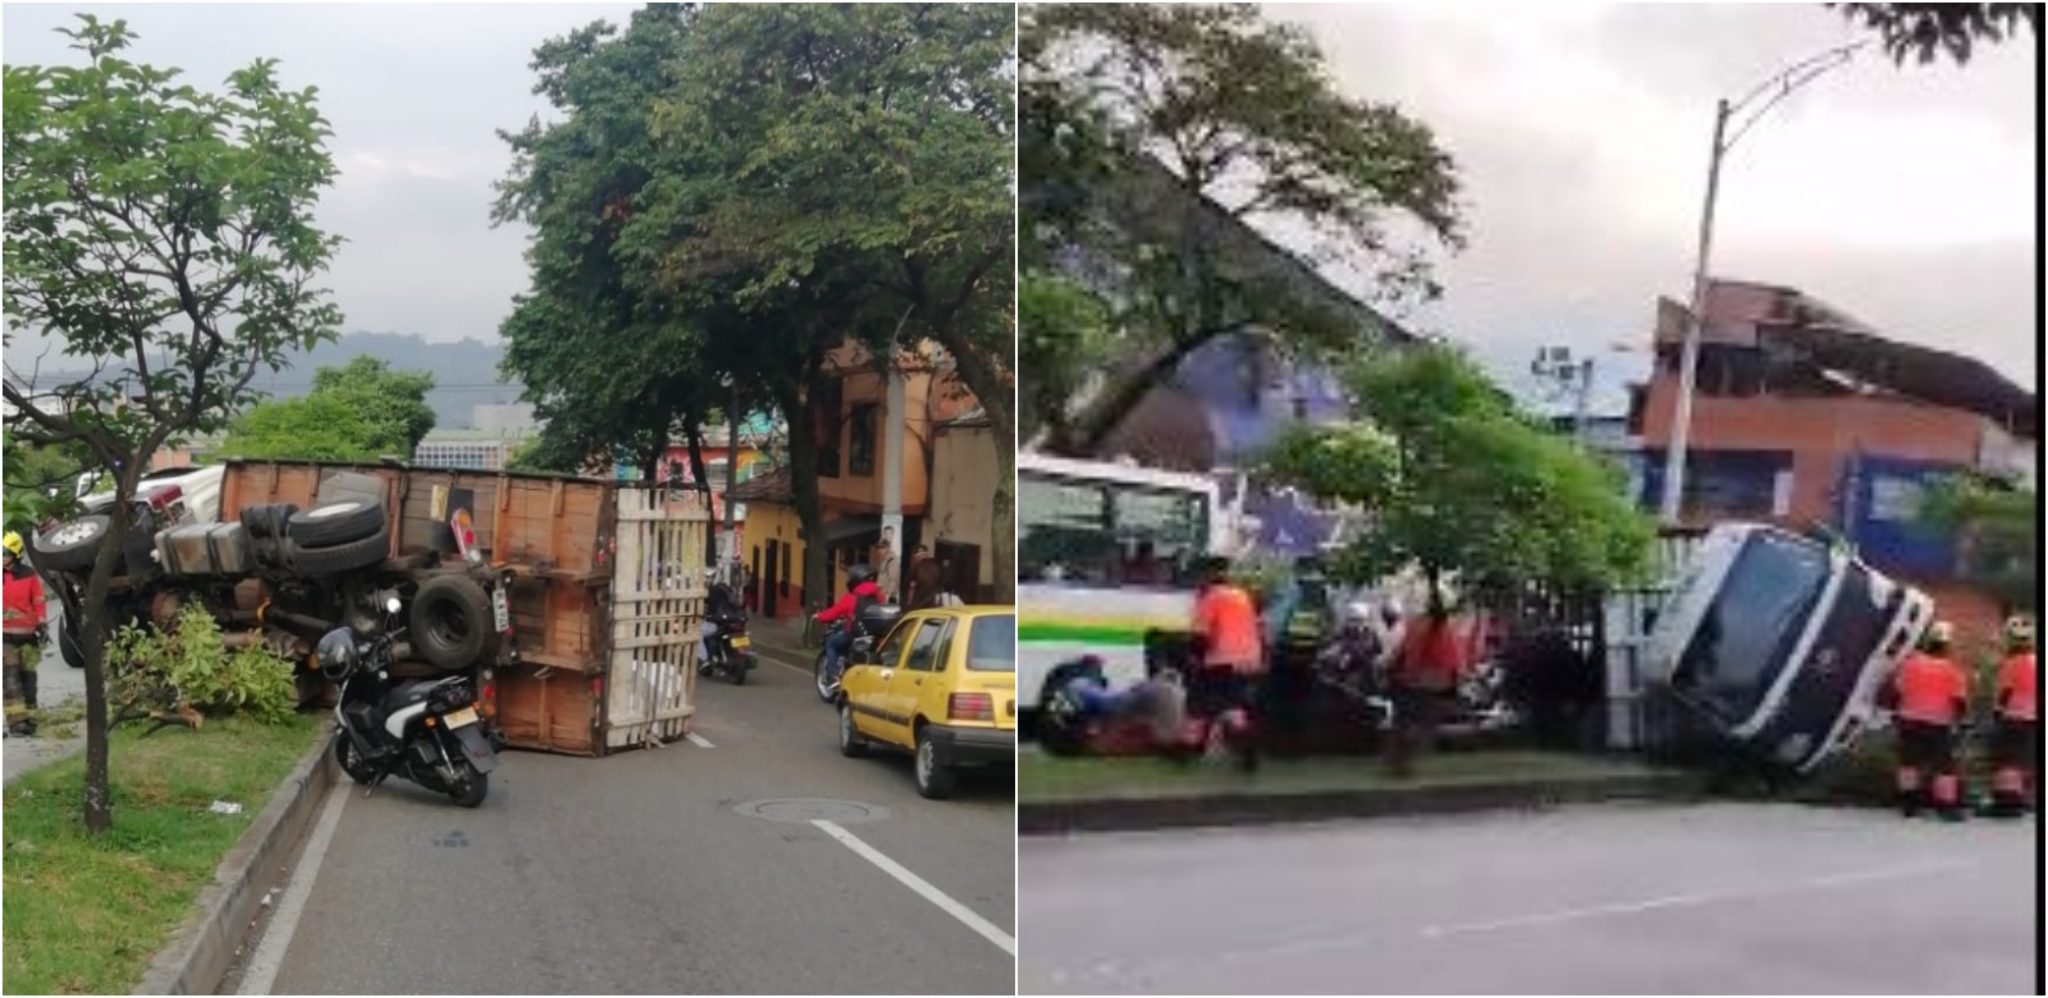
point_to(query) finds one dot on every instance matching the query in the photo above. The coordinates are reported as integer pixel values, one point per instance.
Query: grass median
(86, 914)
(1047, 779)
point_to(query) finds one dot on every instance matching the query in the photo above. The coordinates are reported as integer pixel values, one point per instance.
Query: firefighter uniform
(24, 615)
(2016, 730)
(1932, 693)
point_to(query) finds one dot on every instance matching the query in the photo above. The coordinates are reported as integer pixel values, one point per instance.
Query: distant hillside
(465, 372)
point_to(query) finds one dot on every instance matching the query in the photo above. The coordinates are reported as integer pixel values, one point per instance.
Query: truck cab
(1780, 643)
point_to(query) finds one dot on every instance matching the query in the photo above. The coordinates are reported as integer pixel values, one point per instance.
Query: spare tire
(73, 545)
(338, 558)
(331, 523)
(450, 621)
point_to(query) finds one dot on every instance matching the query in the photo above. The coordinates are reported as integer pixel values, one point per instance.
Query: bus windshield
(1105, 533)
(1748, 631)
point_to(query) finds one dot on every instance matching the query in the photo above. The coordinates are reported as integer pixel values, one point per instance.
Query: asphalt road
(55, 683)
(1651, 899)
(634, 874)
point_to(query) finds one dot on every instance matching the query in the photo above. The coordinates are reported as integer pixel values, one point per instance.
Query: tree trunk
(98, 797)
(1084, 435)
(803, 480)
(693, 434)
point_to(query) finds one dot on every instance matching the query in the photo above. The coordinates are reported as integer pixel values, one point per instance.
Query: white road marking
(966, 915)
(698, 740)
(1828, 882)
(261, 974)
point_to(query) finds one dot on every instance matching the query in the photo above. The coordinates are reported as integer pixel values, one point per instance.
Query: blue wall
(1877, 503)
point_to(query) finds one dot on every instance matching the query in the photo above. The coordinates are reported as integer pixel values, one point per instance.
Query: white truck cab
(1781, 642)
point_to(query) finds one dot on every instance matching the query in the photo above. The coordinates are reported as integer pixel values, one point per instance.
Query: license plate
(501, 611)
(740, 641)
(461, 718)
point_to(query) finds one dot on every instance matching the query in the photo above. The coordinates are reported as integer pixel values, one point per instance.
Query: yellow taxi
(942, 685)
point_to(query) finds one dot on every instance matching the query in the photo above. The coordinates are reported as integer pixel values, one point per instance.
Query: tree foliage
(1063, 336)
(1998, 527)
(1927, 31)
(313, 428)
(1246, 119)
(392, 403)
(39, 484)
(1451, 478)
(164, 235)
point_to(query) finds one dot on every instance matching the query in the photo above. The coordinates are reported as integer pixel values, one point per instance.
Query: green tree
(313, 428)
(1925, 31)
(1248, 123)
(392, 403)
(1998, 527)
(164, 234)
(1453, 479)
(1063, 336)
(39, 484)
(867, 146)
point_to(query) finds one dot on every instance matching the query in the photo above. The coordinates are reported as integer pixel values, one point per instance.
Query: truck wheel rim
(73, 533)
(335, 509)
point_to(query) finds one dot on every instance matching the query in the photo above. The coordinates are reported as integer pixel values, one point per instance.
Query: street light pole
(1778, 86)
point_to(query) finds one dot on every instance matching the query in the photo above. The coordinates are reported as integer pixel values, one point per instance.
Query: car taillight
(489, 704)
(163, 497)
(970, 707)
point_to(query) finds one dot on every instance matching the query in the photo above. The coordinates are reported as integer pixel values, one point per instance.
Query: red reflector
(166, 495)
(970, 707)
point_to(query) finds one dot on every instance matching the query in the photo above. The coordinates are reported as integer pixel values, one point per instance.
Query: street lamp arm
(1781, 85)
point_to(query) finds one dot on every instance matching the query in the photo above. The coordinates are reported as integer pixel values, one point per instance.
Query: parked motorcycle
(425, 730)
(727, 649)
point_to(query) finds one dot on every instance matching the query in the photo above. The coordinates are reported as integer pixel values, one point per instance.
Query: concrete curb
(201, 951)
(1148, 813)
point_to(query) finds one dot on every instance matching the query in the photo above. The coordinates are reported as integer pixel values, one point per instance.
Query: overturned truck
(572, 602)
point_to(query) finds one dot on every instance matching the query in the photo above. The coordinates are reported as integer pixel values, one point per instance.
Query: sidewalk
(1103, 794)
(781, 638)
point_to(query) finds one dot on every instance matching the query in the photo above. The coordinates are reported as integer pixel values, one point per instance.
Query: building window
(860, 443)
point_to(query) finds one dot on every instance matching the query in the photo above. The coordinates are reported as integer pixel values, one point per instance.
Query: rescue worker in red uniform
(25, 615)
(1230, 660)
(2016, 730)
(1932, 694)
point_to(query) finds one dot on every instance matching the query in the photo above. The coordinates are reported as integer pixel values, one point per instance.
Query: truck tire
(333, 523)
(338, 558)
(450, 621)
(268, 519)
(67, 646)
(73, 545)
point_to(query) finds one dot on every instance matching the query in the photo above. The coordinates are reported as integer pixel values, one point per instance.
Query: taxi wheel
(934, 777)
(851, 744)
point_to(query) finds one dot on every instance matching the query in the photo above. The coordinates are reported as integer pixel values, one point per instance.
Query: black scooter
(425, 730)
(727, 649)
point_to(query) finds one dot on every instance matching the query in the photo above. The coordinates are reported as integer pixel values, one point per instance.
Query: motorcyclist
(861, 591)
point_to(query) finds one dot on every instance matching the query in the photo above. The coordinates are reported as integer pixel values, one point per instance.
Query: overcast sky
(1905, 195)
(415, 94)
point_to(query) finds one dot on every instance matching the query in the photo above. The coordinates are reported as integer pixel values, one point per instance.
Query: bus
(1105, 553)
(1781, 642)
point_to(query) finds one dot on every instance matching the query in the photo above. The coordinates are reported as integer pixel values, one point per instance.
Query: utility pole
(732, 474)
(892, 452)
(1774, 89)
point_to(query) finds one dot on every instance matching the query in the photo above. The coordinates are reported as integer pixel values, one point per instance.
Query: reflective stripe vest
(1931, 689)
(2019, 688)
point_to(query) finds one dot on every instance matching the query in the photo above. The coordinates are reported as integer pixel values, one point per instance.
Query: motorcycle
(874, 622)
(425, 730)
(727, 649)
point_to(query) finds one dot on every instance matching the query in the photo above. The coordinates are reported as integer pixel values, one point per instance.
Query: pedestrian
(2016, 728)
(26, 624)
(1297, 625)
(1931, 697)
(1422, 682)
(1232, 659)
(925, 578)
(861, 593)
(888, 574)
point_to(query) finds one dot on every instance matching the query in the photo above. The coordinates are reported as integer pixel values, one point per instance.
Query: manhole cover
(806, 810)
